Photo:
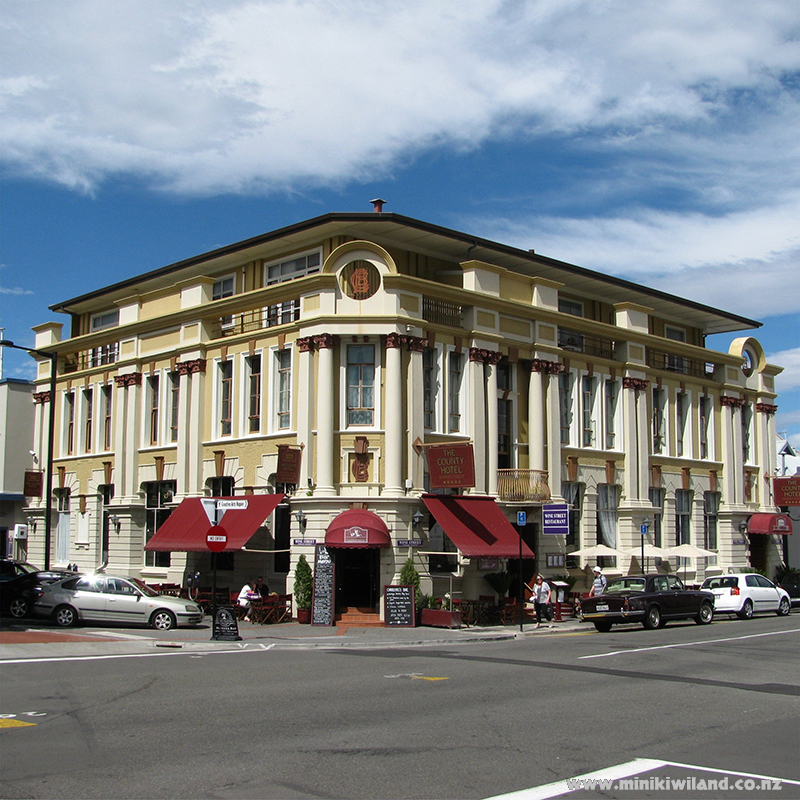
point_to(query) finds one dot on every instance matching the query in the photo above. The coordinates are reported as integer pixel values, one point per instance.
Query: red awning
(769, 523)
(187, 526)
(358, 528)
(476, 525)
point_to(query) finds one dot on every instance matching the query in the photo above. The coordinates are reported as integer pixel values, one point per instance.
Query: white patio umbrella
(599, 550)
(647, 551)
(688, 551)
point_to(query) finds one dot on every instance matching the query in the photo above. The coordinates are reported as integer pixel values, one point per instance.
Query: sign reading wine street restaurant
(555, 519)
(451, 466)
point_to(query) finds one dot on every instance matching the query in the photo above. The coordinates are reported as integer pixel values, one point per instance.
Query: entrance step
(359, 618)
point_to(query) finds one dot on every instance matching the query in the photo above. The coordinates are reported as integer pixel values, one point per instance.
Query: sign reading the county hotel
(787, 491)
(33, 483)
(289, 459)
(451, 466)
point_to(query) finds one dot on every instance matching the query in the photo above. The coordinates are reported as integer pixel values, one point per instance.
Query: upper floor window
(283, 389)
(681, 415)
(107, 395)
(659, 420)
(430, 369)
(153, 387)
(455, 379)
(704, 428)
(611, 403)
(588, 416)
(290, 268)
(747, 424)
(683, 515)
(69, 422)
(174, 404)
(107, 319)
(360, 384)
(565, 405)
(224, 287)
(574, 307)
(88, 419)
(225, 397)
(673, 362)
(254, 393)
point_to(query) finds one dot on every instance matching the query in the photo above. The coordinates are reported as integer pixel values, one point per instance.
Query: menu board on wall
(322, 598)
(398, 606)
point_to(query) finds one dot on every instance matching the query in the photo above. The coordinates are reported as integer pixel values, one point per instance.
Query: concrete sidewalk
(39, 639)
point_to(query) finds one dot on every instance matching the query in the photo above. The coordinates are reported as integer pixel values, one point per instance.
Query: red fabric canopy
(187, 526)
(769, 523)
(476, 525)
(358, 528)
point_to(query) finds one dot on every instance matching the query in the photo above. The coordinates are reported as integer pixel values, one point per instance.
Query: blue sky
(656, 141)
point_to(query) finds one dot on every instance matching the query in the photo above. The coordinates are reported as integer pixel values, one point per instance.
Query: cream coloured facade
(365, 338)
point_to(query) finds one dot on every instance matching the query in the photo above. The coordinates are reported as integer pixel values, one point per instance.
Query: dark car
(10, 569)
(652, 600)
(18, 595)
(791, 585)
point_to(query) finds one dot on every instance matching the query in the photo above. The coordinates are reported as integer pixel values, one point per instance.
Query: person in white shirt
(541, 601)
(599, 583)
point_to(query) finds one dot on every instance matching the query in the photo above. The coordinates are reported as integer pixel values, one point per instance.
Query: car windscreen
(626, 585)
(143, 588)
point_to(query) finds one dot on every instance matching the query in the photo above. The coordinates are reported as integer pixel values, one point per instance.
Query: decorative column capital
(191, 367)
(305, 344)
(731, 402)
(129, 379)
(324, 341)
(39, 398)
(637, 384)
(546, 367)
(766, 408)
(414, 343)
(484, 356)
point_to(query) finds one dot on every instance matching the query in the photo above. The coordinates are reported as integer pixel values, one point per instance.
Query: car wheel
(603, 627)
(747, 610)
(65, 616)
(163, 620)
(19, 608)
(653, 619)
(783, 609)
(705, 615)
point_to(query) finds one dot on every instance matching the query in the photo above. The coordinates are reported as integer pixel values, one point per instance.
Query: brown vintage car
(652, 600)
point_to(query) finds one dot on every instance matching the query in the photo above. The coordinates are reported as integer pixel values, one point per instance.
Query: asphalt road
(442, 721)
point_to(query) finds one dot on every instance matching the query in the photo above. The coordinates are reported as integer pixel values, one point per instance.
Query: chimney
(377, 205)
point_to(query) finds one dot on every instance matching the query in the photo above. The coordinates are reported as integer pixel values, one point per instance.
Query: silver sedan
(106, 598)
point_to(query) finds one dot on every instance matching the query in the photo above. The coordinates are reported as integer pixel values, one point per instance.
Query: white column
(393, 417)
(492, 429)
(182, 454)
(553, 436)
(732, 477)
(477, 413)
(642, 448)
(415, 392)
(196, 433)
(536, 419)
(325, 407)
(305, 385)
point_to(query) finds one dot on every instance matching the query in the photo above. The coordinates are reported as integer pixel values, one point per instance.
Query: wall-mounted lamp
(646, 522)
(416, 520)
(114, 520)
(310, 483)
(743, 527)
(302, 520)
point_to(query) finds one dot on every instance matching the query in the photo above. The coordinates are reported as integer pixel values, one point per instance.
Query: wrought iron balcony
(681, 364)
(523, 486)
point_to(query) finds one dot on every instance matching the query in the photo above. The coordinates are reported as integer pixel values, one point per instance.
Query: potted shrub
(303, 587)
(409, 576)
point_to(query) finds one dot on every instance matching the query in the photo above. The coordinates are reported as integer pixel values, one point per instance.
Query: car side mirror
(138, 598)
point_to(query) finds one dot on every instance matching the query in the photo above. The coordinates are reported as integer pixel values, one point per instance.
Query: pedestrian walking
(541, 601)
(599, 583)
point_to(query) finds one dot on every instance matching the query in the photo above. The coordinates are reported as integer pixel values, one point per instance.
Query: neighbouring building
(356, 343)
(16, 457)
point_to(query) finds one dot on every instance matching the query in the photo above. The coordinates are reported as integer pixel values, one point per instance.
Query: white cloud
(789, 379)
(201, 97)
(15, 290)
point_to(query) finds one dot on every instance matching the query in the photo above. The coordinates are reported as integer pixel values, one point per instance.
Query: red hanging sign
(451, 466)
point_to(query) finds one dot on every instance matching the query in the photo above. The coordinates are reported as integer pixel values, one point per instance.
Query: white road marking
(619, 771)
(687, 644)
(635, 767)
(164, 654)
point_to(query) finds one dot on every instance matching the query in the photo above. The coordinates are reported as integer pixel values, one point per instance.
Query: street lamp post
(48, 522)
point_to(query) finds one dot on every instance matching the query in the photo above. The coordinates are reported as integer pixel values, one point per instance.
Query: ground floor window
(158, 494)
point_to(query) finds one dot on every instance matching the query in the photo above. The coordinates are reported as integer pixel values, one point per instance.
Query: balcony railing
(89, 359)
(681, 364)
(582, 343)
(441, 312)
(523, 486)
(256, 319)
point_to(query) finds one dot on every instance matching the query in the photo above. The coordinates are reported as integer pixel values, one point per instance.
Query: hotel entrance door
(357, 572)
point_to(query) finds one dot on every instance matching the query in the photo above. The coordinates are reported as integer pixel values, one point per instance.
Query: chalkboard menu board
(322, 598)
(226, 628)
(398, 606)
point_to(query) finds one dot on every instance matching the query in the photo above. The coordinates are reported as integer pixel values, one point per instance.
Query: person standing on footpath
(599, 583)
(541, 601)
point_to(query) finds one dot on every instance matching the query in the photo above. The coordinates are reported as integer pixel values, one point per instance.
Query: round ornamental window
(749, 362)
(360, 280)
